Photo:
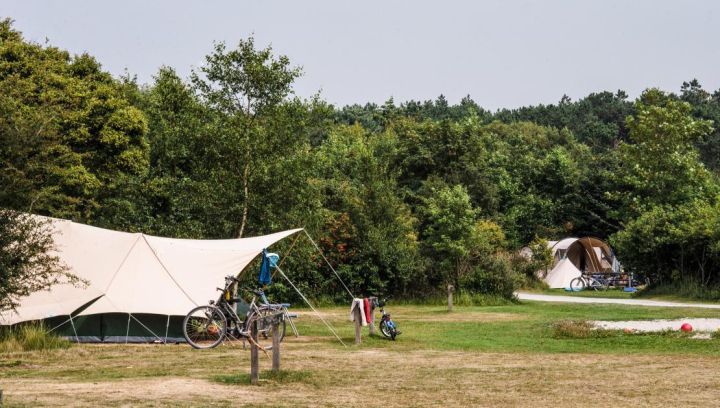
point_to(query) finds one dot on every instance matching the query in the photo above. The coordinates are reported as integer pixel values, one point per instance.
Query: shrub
(493, 276)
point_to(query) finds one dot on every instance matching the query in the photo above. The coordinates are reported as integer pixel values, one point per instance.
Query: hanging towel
(265, 278)
(368, 314)
(359, 304)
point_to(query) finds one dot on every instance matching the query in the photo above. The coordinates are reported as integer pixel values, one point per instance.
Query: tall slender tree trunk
(246, 170)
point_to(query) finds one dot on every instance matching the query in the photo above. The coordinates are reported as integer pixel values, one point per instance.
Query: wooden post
(358, 325)
(254, 366)
(371, 318)
(276, 343)
(450, 299)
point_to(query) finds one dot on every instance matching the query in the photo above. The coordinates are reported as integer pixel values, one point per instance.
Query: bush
(29, 337)
(495, 276)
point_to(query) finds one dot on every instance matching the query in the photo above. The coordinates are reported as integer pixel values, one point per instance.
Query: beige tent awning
(138, 273)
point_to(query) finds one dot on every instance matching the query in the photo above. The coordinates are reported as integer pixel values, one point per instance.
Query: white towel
(359, 303)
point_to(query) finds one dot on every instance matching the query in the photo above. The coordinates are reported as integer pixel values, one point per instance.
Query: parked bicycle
(207, 326)
(587, 281)
(387, 326)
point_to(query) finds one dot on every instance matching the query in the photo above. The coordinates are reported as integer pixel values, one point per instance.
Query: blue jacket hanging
(265, 277)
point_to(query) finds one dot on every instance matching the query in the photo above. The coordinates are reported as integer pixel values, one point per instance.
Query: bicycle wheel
(385, 330)
(265, 327)
(204, 327)
(577, 284)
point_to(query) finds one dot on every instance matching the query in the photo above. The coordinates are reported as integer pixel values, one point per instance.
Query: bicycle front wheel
(204, 327)
(577, 284)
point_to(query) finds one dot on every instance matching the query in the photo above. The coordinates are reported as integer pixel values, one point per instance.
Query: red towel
(368, 316)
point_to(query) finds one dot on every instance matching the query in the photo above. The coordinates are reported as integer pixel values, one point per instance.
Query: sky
(503, 54)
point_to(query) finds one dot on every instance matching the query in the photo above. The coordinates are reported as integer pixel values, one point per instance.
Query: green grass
(526, 327)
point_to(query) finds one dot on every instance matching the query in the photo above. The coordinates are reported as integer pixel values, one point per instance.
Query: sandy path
(700, 325)
(630, 302)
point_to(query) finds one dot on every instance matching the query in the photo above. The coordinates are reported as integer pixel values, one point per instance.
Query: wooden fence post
(276, 343)
(254, 366)
(450, 299)
(358, 325)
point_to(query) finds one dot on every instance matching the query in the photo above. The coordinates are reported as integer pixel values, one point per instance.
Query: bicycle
(595, 282)
(205, 327)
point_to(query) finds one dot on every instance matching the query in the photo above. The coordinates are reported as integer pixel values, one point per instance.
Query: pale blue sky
(503, 53)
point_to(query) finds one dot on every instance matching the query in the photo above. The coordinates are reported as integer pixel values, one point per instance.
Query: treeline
(404, 199)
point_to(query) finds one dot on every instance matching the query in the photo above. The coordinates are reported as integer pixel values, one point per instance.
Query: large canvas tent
(572, 256)
(139, 286)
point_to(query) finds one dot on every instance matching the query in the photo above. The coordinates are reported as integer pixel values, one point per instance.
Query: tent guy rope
(328, 263)
(311, 306)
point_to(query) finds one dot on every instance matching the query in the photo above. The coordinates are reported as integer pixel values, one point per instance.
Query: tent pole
(167, 327)
(289, 251)
(77, 339)
(127, 333)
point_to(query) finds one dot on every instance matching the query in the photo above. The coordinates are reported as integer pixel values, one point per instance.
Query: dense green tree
(378, 245)
(660, 165)
(66, 130)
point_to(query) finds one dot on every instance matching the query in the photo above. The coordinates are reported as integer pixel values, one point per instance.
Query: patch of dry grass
(358, 377)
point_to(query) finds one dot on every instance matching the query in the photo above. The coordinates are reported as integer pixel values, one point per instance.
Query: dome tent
(140, 286)
(573, 256)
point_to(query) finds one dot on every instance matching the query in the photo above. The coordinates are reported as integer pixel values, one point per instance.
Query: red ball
(686, 327)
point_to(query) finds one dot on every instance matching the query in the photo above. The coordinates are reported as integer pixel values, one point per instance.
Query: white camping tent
(561, 275)
(134, 273)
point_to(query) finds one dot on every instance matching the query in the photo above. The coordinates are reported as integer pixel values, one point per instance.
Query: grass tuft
(30, 337)
(577, 329)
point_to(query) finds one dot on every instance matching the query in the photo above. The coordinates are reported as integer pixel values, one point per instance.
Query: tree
(67, 133)
(245, 85)
(448, 231)
(27, 264)
(660, 164)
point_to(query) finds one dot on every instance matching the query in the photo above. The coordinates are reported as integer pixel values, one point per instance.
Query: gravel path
(698, 325)
(632, 302)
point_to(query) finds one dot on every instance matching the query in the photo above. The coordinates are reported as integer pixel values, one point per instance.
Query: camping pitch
(140, 286)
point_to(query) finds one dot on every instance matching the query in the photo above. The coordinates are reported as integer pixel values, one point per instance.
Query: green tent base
(118, 328)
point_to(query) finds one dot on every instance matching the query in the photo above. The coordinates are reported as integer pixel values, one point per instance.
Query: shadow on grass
(266, 378)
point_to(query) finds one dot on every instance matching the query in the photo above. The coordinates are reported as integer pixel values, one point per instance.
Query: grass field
(475, 356)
